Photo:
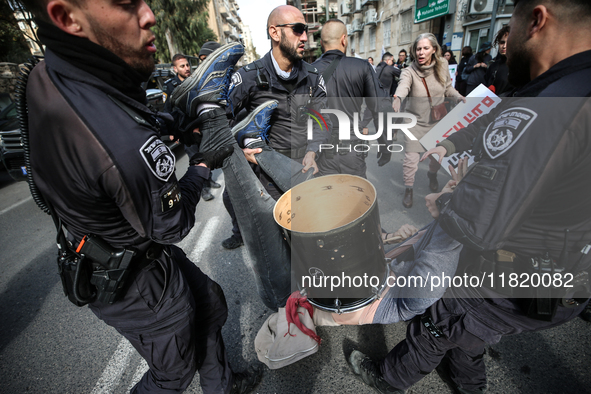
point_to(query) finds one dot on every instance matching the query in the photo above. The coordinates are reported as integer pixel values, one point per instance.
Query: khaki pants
(410, 165)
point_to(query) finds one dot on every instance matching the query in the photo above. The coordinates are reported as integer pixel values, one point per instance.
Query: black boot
(407, 200)
(433, 184)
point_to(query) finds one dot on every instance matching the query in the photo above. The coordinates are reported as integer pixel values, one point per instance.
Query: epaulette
(172, 81)
(310, 68)
(129, 111)
(257, 64)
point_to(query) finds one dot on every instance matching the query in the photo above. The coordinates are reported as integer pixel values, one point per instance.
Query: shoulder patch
(506, 129)
(159, 158)
(321, 84)
(236, 80)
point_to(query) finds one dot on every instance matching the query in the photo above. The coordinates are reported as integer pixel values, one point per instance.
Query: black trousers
(468, 321)
(173, 314)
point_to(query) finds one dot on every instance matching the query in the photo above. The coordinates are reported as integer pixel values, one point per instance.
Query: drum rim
(300, 233)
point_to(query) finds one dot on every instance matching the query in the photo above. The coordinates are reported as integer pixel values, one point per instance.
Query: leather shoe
(214, 184)
(407, 200)
(433, 184)
(206, 194)
(233, 242)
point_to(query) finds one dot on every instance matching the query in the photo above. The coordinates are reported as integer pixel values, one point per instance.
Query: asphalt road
(47, 345)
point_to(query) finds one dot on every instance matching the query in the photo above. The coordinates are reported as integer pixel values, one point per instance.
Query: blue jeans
(264, 239)
(435, 254)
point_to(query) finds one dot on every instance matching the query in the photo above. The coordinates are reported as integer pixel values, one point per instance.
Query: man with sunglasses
(282, 75)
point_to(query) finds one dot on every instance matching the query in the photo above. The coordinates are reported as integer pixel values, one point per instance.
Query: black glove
(384, 156)
(187, 136)
(214, 159)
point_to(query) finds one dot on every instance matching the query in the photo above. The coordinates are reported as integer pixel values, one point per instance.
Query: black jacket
(387, 76)
(497, 75)
(304, 89)
(532, 182)
(476, 75)
(105, 169)
(169, 86)
(352, 80)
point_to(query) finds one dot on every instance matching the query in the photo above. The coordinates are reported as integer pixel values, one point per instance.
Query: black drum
(333, 226)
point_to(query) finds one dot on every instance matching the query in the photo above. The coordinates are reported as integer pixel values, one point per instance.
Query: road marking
(205, 239)
(188, 241)
(2, 212)
(139, 372)
(112, 373)
(246, 258)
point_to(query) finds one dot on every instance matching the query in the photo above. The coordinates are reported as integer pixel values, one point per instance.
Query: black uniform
(304, 88)
(97, 157)
(388, 76)
(352, 80)
(530, 185)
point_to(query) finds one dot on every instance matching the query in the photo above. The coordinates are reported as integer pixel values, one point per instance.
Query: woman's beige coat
(411, 86)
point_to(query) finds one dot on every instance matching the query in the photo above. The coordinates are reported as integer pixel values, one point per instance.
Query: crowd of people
(511, 213)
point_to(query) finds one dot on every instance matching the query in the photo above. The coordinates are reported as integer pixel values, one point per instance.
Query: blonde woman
(428, 67)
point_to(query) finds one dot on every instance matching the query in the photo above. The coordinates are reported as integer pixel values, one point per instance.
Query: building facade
(227, 25)
(378, 26)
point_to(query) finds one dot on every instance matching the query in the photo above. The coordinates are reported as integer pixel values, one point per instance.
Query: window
(372, 39)
(387, 32)
(406, 27)
(361, 43)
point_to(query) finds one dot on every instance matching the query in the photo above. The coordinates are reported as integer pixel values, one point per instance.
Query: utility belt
(539, 283)
(98, 272)
(297, 153)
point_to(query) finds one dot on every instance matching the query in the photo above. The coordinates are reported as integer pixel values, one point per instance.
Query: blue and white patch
(506, 130)
(159, 158)
(236, 80)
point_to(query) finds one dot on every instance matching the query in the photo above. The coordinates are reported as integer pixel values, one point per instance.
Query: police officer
(182, 69)
(348, 80)
(282, 75)
(98, 160)
(521, 212)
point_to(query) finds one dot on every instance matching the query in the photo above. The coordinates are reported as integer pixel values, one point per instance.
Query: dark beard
(139, 61)
(519, 63)
(289, 52)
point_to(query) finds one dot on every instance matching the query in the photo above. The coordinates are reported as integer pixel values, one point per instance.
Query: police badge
(159, 158)
(507, 128)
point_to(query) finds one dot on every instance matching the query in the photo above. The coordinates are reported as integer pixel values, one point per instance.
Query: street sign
(432, 9)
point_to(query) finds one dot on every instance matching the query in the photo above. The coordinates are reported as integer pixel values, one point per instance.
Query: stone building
(378, 26)
(227, 25)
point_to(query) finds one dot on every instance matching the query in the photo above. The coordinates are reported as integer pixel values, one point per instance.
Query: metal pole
(493, 19)
(327, 10)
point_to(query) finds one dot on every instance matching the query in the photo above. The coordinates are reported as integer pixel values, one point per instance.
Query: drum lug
(338, 304)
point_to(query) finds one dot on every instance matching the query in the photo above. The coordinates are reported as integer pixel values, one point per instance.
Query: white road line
(246, 257)
(188, 241)
(2, 212)
(205, 239)
(139, 372)
(112, 373)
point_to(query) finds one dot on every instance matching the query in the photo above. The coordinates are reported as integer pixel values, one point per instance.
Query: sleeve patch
(236, 80)
(506, 129)
(171, 198)
(159, 158)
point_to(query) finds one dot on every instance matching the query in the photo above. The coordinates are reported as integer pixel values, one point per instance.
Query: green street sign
(425, 10)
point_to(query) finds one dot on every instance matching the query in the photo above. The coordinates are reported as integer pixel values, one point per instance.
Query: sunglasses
(298, 28)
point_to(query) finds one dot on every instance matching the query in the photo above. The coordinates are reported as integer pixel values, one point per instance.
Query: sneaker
(246, 382)
(213, 184)
(209, 83)
(368, 371)
(233, 242)
(255, 127)
(206, 194)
